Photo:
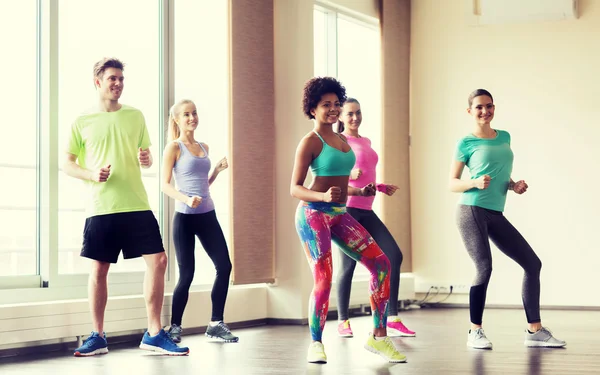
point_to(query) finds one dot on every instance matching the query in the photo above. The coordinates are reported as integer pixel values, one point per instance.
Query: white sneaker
(543, 338)
(316, 353)
(478, 340)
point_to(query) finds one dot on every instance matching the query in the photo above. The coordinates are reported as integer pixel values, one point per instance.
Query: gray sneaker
(478, 340)
(543, 338)
(221, 332)
(174, 332)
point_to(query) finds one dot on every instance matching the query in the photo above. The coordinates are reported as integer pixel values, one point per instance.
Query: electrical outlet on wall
(442, 288)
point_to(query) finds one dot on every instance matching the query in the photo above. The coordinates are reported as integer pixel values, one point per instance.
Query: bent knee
(224, 268)
(483, 275)
(535, 267)
(395, 258)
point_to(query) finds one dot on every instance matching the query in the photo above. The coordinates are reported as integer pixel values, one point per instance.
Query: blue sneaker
(162, 343)
(92, 345)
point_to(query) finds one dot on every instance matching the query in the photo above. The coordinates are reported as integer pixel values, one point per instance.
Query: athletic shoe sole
(373, 350)
(160, 350)
(543, 344)
(95, 352)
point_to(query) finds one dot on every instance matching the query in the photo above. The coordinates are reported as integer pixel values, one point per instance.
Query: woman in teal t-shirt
(487, 154)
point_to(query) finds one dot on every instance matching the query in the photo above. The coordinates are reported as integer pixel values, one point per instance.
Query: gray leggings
(369, 220)
(476, 225)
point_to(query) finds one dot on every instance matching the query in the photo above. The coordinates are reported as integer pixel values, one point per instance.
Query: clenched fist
(483, 182)
(101, 175)
(221, 165)
(333, 194)
(520, 187)
(194, 201)
(144, 157)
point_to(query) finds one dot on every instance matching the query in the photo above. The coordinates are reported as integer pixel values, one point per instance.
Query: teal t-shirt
(487, 156)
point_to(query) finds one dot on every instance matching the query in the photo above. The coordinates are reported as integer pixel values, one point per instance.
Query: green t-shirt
(102, 138)
(487, 156)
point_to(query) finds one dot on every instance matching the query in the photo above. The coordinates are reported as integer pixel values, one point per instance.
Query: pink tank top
(366, 161)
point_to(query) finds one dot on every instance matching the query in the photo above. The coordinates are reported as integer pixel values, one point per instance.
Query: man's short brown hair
(105, 63)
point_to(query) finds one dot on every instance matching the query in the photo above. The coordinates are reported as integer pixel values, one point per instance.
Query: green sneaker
(385, 348)
(221, 332)
(175, 332)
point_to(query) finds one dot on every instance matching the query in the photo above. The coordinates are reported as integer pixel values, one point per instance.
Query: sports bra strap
(342, 138)
(319, 135)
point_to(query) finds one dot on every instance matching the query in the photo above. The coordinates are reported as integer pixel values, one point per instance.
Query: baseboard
(512, 307)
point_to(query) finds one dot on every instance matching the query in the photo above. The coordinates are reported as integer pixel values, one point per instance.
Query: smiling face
(110, 85)
(352, 116)
(482, 109)
(186, 117)
(328, 109)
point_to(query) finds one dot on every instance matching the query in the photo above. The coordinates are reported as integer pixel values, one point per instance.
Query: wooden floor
(439, 348)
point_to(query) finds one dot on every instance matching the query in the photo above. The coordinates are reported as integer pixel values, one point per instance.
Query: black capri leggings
(206, 226)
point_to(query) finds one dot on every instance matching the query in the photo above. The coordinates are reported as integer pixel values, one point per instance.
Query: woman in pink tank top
(360, 208)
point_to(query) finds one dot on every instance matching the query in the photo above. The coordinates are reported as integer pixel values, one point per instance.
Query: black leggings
(369, 220)
(206, 226)
(476, 225)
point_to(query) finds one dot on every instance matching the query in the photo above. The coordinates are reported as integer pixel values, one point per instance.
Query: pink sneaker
(395, 328)
(344, 329)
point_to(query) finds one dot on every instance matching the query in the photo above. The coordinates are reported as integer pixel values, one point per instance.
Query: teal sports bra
(332, 162)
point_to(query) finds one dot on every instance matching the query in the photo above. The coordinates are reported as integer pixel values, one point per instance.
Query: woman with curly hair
(321, 217)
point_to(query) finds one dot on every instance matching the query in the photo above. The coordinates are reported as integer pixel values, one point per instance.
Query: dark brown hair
(341, 126)
(479, 92)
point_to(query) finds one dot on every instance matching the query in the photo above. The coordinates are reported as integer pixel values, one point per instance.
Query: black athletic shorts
(136, 233)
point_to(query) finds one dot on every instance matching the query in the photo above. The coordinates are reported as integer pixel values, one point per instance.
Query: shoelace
(479, 334)
(167, 337)
(346, 324)
(89, 339)
(319, 348)
(388, 343)
(224, 327)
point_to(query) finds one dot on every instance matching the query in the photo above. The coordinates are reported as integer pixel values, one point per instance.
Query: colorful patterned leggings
(318, 224)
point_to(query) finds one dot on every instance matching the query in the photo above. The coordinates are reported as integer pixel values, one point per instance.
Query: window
(208, 87)
(320, 40)
(362, 79)
(87, 33)
(349, 49)
(18, 146)
(49, 75)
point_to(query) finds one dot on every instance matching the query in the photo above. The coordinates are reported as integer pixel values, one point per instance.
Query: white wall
(544, 80)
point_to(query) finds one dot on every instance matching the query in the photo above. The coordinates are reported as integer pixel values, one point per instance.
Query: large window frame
(48, 284)
(329, 61)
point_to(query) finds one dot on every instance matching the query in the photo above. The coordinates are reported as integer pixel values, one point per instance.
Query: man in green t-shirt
(107, 147)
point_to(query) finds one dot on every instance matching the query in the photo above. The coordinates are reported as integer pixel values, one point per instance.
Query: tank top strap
(203, 149)
(319, 135)
(182, 148)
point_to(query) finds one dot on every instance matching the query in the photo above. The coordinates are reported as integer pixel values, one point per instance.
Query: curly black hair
(316, 87)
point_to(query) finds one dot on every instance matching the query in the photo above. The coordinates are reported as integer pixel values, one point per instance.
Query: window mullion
(47, 83)
(332, 47)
